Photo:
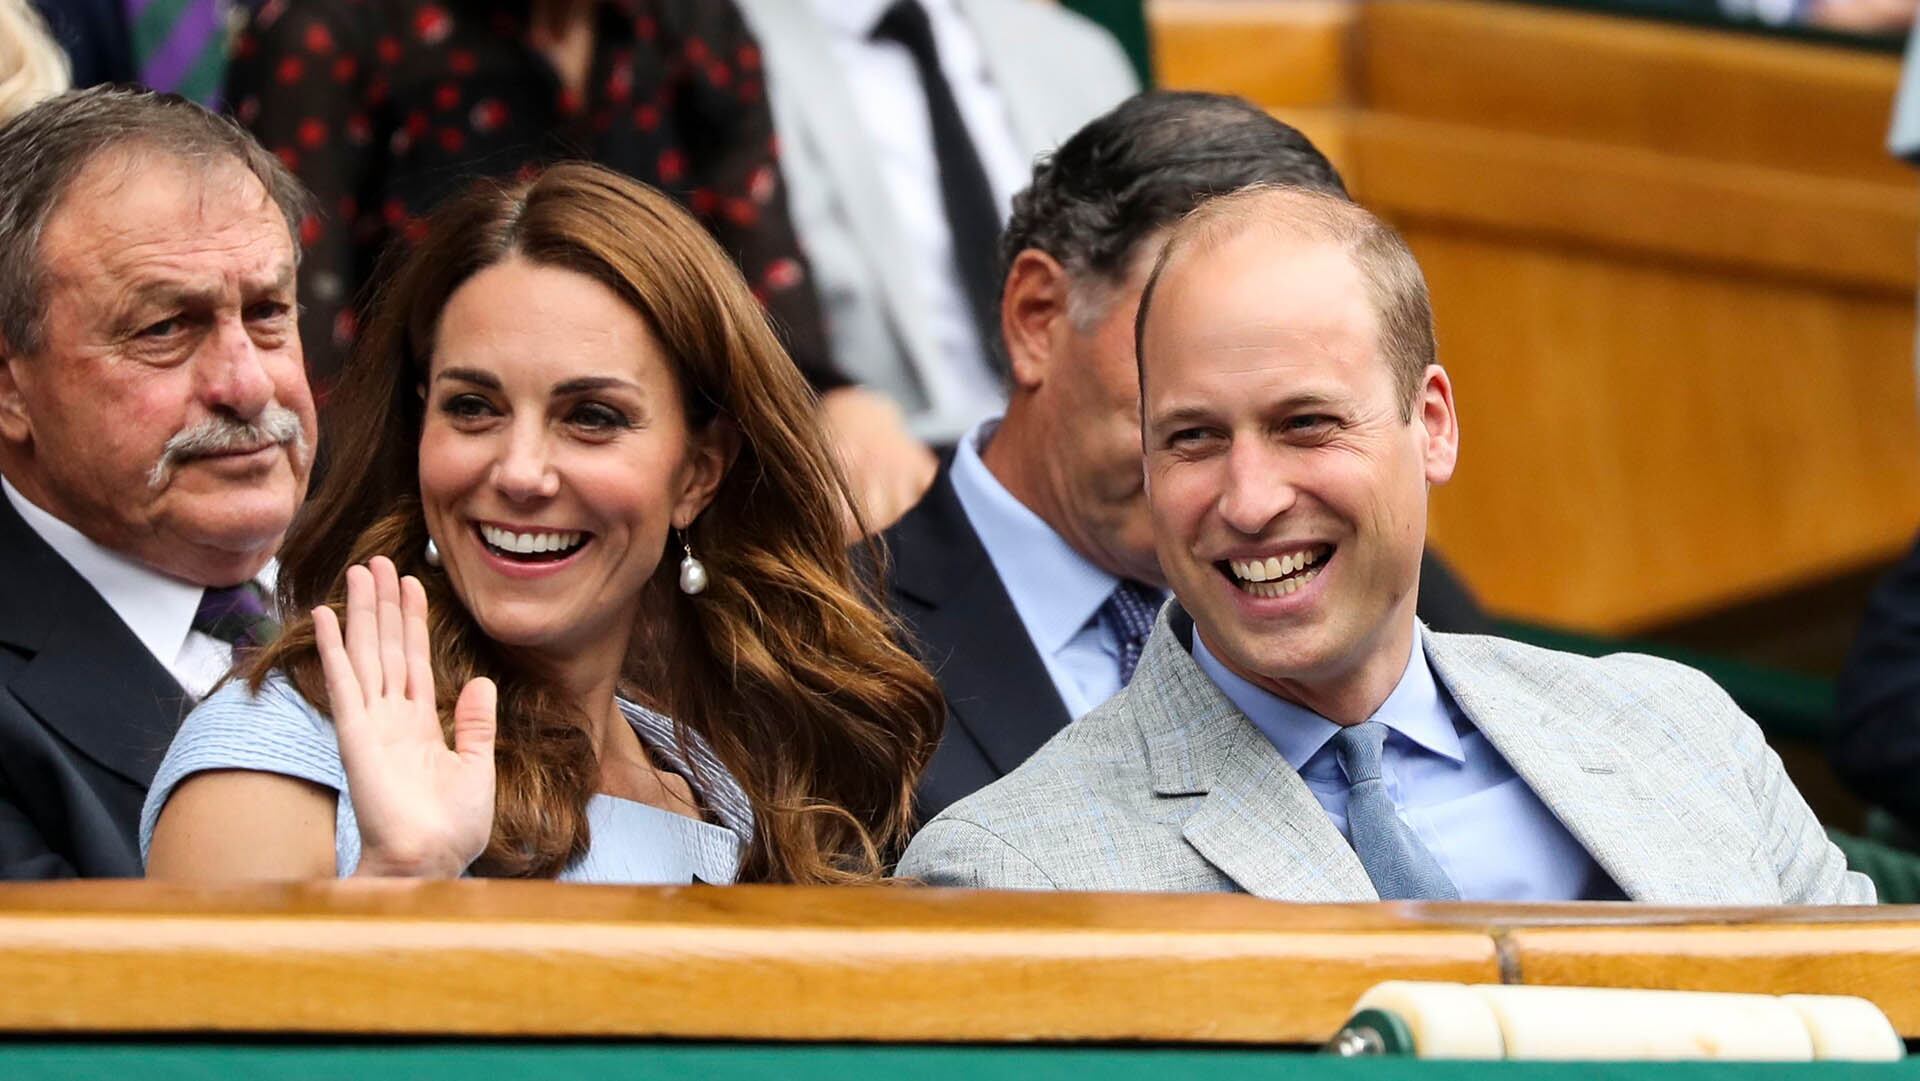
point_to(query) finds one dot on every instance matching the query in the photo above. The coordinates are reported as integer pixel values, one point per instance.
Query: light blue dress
(279, 731)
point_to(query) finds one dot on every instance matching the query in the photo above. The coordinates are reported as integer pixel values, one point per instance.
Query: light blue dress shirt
(1492, 835)
(1056, 590)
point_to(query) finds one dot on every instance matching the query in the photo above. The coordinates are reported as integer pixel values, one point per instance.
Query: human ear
(1033, 314)
(710, 454)
(15, 425)
(1439, 424)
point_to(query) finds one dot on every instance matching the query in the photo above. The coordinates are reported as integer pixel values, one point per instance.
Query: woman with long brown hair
(565, 387)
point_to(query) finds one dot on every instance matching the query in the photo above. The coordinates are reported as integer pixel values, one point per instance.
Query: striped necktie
(180, 46)
(236, 615)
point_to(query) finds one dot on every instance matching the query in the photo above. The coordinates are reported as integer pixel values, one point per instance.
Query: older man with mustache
(156, 435)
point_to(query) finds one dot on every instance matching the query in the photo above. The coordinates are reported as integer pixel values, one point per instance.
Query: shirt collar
(1414, 709)
(158, 609)
(857, 18)
(1055, 589)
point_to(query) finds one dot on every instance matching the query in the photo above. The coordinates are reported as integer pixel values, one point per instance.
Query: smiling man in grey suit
(1291, 730)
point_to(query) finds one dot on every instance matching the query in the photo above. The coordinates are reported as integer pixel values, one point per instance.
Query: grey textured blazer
(1055, 70)
(1169, 787)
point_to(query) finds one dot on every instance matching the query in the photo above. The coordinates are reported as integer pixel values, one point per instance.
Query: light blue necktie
(1400, 866)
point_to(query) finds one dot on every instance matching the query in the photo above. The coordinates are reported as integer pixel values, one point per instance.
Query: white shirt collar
(157, 608)
(857, 18)
(1055, 589)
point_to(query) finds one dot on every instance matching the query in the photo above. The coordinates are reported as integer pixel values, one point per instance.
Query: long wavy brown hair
(784, 665)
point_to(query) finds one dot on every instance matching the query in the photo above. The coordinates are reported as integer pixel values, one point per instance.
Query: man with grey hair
(1292, 730)
(1027, 576)
(156, 435)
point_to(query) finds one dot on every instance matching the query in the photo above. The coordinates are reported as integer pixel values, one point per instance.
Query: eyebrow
(585, 384)
(177, 295)
(1188, 414)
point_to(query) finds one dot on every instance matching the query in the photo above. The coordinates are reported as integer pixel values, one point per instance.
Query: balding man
(156, 434)
(1291, 730)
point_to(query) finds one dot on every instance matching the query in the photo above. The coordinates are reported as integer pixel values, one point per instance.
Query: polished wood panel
(1673, 272)
(1880, 962)
(535, 959)
(1289, 53)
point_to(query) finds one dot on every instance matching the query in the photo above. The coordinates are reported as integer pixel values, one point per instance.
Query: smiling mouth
(1276, 576)
(546, 547)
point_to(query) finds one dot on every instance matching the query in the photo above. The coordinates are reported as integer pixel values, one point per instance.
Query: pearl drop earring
(433, 553)
(693, 573)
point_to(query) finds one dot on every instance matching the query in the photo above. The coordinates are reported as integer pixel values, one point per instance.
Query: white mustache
(221, 435)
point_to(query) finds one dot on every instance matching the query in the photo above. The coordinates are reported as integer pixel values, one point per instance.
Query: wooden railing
(1673, 270)
(913, 965)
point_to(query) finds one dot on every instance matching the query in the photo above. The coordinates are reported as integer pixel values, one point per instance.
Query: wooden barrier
(1673, 271)
(900, 965)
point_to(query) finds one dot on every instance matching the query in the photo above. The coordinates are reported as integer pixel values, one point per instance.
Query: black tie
(972, 215)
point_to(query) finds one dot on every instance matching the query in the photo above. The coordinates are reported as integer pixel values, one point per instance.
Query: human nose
(524, 471)
(233, 373)
(1256, 490)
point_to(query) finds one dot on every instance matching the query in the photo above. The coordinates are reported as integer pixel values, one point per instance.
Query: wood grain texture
(1290, 53)
(1880, 962)
(522, 959)
(1673, 274)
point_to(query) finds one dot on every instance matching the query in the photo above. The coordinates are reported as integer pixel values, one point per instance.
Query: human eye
(162, 329)
(1309, 425)
(1192, 439)
(598, 418)
(268, 311)
(467, 408)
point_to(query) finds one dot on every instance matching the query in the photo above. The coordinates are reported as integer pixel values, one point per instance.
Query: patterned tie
(236, 615)
(1400, 866)
(180, 46)
(1130, 611)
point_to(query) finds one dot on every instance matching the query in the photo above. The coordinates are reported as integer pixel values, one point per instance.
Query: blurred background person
(32, 66)
(156, 435)
(386, 108)
(567, 386)
(906, 126)
(175, 46)
(1028, 577)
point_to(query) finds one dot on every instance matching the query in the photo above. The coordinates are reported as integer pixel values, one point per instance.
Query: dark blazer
(1001, 703)
(95, 36)
(85, 715)
(1875, 740)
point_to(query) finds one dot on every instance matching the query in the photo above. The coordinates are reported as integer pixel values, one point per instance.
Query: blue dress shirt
(1056, 590)
(1492, 835)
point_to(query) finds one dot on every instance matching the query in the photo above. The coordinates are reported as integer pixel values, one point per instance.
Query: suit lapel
(1258, 823)
(1610, 803)
(997, 687)
(1027, 82)
(90, 680)
(828, 121)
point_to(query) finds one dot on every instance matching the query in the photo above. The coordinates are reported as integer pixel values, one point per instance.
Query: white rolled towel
(1452, 1020)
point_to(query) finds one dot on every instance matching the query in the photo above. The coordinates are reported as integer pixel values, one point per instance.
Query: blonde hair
(32, 67)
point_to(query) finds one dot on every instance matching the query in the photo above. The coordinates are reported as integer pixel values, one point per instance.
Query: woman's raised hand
(424, 810)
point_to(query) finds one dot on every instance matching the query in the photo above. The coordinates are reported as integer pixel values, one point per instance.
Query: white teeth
(528, 543)
(1270, 589)
(1278, 567)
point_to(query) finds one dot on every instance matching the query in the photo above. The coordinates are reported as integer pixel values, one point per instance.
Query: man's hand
(888, 468)
(1863, 16)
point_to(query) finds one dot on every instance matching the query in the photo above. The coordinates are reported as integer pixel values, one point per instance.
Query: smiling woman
(566, 385)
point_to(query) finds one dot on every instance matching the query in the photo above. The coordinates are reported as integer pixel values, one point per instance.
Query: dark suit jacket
(1001, 703)
(1875, 741)
(95, 36)
(85, 715)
